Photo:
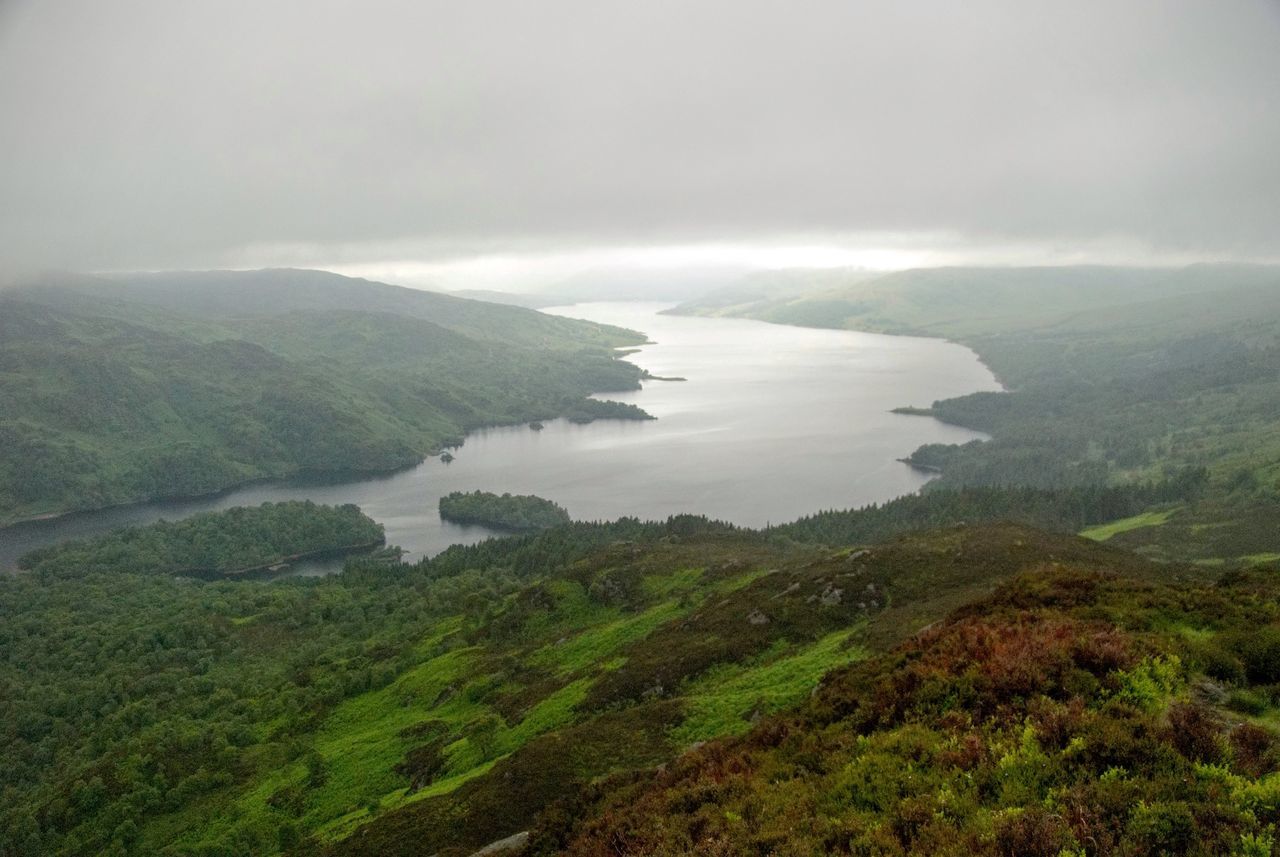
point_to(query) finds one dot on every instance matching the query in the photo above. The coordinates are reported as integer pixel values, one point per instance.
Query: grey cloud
(153, 134)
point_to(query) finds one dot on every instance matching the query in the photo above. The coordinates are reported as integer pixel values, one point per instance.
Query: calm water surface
(772, 423)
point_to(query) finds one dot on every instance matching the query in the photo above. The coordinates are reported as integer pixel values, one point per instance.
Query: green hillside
(960, 303)
(1070, 712)
(233, 541)
(123, 390)
(452, 703)
(954, 672)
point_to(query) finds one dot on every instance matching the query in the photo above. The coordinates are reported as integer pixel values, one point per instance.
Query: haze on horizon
(478, 143)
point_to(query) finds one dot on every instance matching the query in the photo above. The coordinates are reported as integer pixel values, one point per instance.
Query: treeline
(529, 555)
(238, 539)
(516, 512)
(588, 410)
(1060, 509)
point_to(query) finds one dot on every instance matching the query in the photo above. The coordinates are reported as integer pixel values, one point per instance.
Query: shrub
(1032, 832)
(1255, 845)
(1194, 731)
(1247, 702)
(1150, 682)
(1157, 828)
(1260, 652)
(1253, 749)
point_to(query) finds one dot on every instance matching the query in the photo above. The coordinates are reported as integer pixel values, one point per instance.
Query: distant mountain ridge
(223, 295)
(961, 301)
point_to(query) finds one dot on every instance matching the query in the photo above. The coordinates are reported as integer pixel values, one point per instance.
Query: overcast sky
(178, 133)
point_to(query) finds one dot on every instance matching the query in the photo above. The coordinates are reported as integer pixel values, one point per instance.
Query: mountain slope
(124, 391)
(1071, 712)
(222, 295)
(439, 707)
(963, 303)
(753, 644)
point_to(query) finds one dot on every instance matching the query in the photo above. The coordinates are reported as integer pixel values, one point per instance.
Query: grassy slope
(1067, 713)
(388, 710)
(722, 647)
(147, 387)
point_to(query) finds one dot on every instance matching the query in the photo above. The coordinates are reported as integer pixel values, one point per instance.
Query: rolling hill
(133, 388)
(975, 684)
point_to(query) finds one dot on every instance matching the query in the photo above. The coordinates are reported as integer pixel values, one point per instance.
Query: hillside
(449, 704)
(960, 303)
(232, 542)
(222, 295)
(171, 385)
(953, 672)
(1116, 375)
(1070, 712)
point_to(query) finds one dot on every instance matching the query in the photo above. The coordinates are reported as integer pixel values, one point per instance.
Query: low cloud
(160, 134)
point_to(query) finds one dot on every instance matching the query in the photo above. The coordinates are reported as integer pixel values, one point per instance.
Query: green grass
(1147, 519)
(722, 701)
(679, 581)
(595, 645)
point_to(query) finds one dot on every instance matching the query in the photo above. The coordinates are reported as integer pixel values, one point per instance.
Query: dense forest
(453, 701)
(518, 512)
(125, 389)
(233, 541)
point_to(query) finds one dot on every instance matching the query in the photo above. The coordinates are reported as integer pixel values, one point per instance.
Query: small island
(515, 513)
(230, 543)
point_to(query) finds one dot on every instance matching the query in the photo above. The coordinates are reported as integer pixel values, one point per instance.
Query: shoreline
(302, 477)
(1004, 388)
(152, 508)
(319, 477)
(268, 568)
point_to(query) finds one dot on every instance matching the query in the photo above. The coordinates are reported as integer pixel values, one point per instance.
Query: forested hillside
(230, 542)
(150, 386)
(466, 698)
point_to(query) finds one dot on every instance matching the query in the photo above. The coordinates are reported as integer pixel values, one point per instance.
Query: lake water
(772, 423)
